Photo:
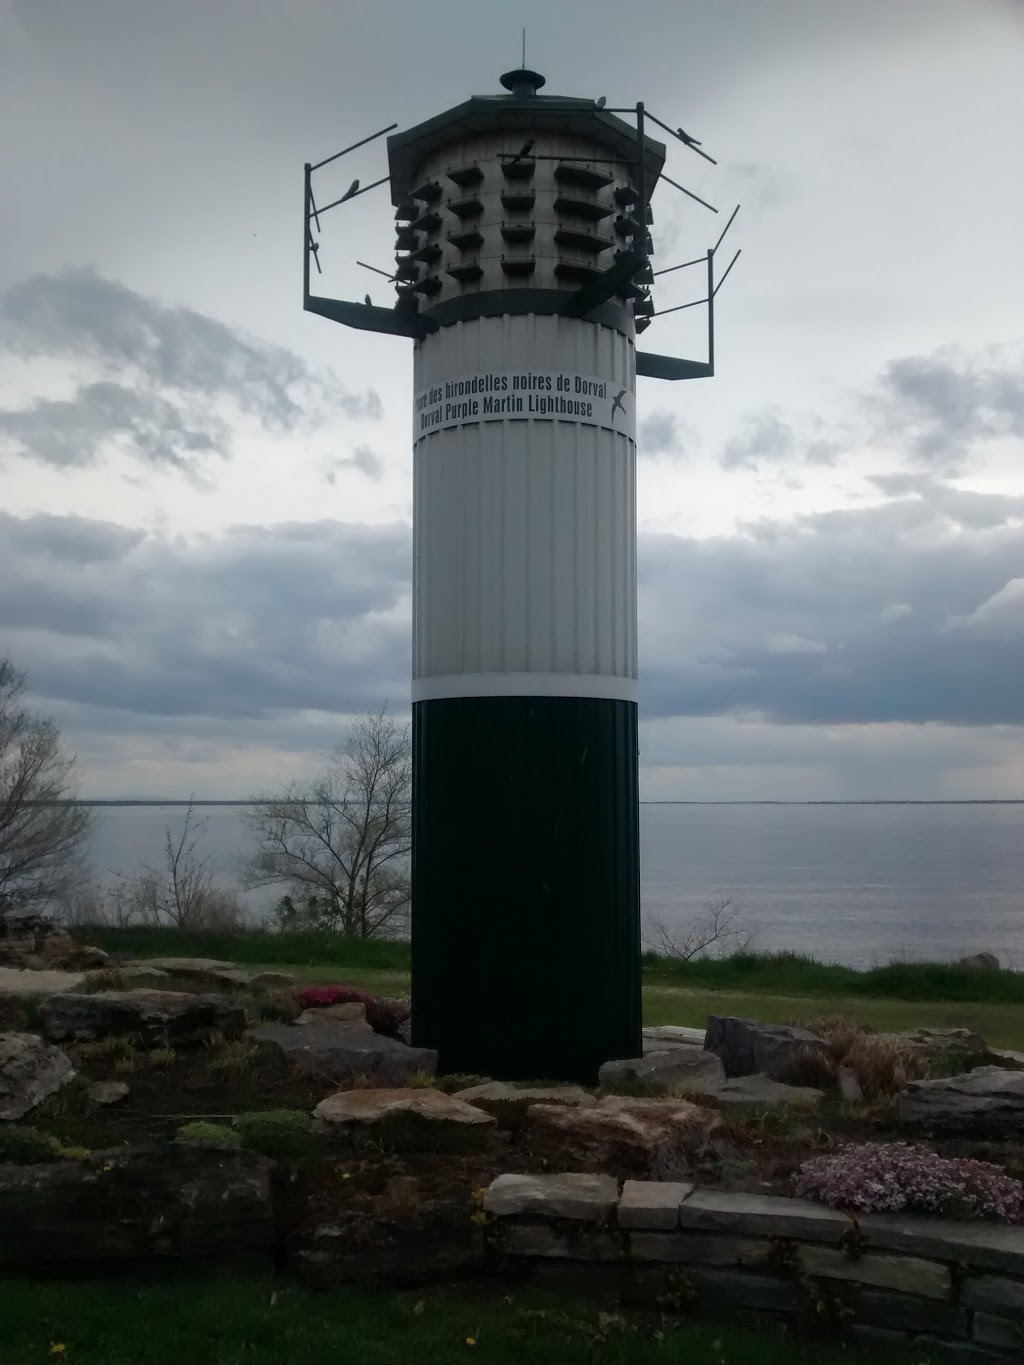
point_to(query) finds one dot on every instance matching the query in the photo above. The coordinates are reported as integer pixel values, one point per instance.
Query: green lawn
(230, 1320)
(1002, 1025)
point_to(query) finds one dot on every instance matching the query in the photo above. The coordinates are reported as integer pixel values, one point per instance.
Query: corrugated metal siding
(525, 529)
(526, 907)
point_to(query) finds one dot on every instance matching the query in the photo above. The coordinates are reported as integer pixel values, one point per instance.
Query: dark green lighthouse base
(525, 873)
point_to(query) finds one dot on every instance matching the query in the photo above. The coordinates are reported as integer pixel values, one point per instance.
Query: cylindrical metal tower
(523, 272)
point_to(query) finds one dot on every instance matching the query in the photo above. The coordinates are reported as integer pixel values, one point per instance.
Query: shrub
(319, 997)
(890, 1177)
(202, 1134)
(279, 1133)
(24, 1146)
(882, 1063)
(810, 1067)
(387, 1015)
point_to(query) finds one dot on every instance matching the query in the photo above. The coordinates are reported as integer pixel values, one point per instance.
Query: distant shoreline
(881, 801)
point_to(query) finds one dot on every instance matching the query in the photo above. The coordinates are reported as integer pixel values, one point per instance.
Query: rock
(946, 1048)
(660, 1137)
(130, 976)
(674, 1035)
(747, 1047)
(582, 1198)
(337, 1053)
(32, 941)
(22, 981)
(682, 1065)
(762, 1215)
(651, 1204)
(368, 1107)
(762, 1091)
(202, 974)
(129, 1203)
(850, 1091)
(987, 962)
(510, 1104)
(30, 1072)
(108, 1092)
(352, 1014)
(985, 1102)
(390, 1016)
(154, 1018)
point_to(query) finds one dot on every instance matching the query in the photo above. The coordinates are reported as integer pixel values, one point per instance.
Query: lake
(850, 883)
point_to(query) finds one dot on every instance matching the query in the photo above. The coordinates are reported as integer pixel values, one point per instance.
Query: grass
(775, 987)
(213, 1319)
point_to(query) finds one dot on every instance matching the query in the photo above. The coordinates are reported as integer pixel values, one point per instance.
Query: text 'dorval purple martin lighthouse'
(523, 275)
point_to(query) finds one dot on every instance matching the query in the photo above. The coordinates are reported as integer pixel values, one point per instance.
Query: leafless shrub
(720, 925)
(882, 1063)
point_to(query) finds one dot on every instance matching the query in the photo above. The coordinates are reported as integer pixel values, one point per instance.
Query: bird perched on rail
(350, 191)
(690, 141)
(524, 152)
(368, 301)
(601, 102)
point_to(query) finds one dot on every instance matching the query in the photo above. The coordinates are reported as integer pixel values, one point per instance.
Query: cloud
(938, 406)
(159, 381)
(769, 437)
(999, 617)
(663, 433)
(363, 458)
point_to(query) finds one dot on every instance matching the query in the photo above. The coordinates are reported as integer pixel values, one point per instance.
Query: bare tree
(341, 841)
(43, 828)
(719, 924)
(184, 891)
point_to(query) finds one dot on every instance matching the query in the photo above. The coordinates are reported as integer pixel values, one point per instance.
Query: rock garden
(860, 1182)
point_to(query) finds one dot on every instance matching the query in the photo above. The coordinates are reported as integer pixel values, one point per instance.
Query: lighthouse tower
(523, 274)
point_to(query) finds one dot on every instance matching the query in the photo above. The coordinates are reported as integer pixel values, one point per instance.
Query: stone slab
(697, 1248)
(676, 1035)
(761, 1092)
(995, 1293)
(992, 1246)
(340, 1054)
(761, 1215)
(541, 1239)
(586, 1198)
(511, 1102)
(19, 981)
(989, 1330)
(909, 1314)
(651, 1204)
(366, 1107)
(689, 1066)
(904, 1274)
(738, 1290)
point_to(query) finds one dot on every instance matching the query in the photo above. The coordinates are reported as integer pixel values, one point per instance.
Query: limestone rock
(130, 976)
(133, 1202)
(202, 974)
(762, 1092)
(32, 941)
(652, 1204)
(274, 981)
(108, 1092)
(583, 1198)
(747, 1047)
(672, 1035)
(510, 1104)
(680, 1065)
(22, 981)
(367, 1107)
(155, 1018)
(352, 1013)
(987, 962)
(985, 1102)
(656, 1136)
(30, 1072)
(959, 1048)
(338, 1054)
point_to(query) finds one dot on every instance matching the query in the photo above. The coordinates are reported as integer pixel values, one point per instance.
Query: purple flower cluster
(888, 1177)
(319, 997)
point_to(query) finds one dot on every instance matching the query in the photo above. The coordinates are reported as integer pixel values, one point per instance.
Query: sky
(205, 493)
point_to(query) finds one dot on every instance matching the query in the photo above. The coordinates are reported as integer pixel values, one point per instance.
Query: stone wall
(955, 1287)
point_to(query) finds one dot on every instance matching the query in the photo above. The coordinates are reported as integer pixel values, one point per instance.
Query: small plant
(810, 1067)
(449, 1085)
(108, 979)
(203, 1134)
(235, 1058)
(882, 1064)
(276, 1007)
(26, 1146)
(280, 1133)
(890, 1177)
(162, 1056)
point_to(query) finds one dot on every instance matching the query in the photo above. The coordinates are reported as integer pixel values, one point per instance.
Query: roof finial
(523, 62)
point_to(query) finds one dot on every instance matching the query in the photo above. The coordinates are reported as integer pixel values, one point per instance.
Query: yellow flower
(345, 1175)
(57, 1348)
(471, 1341)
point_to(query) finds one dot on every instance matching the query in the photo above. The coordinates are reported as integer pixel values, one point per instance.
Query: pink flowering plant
(891, 1177)
(319, 997)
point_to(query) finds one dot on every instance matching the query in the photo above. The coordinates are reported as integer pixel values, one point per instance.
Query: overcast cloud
(205, 495)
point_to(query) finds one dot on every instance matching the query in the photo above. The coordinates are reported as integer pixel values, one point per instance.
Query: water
(847, 883)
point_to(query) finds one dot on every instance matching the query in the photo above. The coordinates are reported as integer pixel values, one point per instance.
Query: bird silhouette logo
(617, 404)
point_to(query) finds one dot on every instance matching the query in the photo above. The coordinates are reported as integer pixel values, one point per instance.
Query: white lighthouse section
(525, 511)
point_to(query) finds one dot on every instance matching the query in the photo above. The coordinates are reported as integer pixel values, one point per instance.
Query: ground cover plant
(259, 1320)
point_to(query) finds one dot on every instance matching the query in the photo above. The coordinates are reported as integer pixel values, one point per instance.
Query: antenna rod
(689, 192)
(524, 48)
(726, 228)
(377, 270)
(345, 198)
(345, 150)
(675, 134)
(727, 269)
(667, 270)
